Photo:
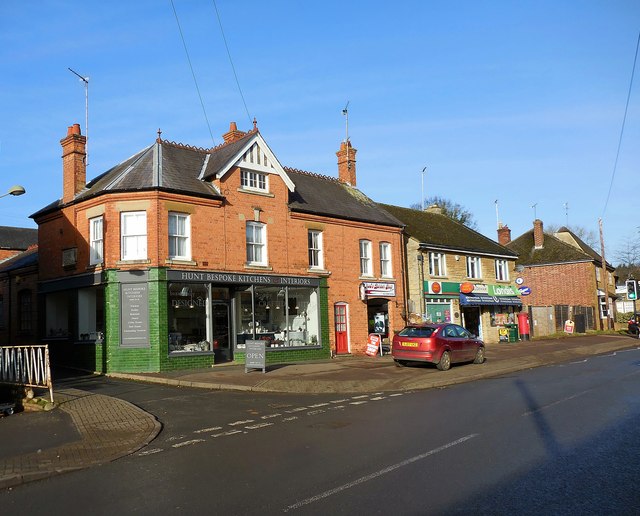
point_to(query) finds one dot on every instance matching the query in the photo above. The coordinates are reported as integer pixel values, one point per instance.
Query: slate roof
(436, 230)
(26, 258)
(17, 238)
(175, 167)
(554, 250)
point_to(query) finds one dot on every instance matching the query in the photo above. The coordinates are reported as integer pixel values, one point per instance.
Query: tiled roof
(553, 251)
(24, 259)
(324, 195)
(17, 238)
(438, 230)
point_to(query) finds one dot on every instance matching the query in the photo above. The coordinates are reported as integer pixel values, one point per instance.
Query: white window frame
(252, 180)
(365, 258)
(176, 237)
(385, 260)
(437, 264)
(96, 240)
(502, 270)
(474, 267)
(256, 247)
(133, 235)
(316, 255)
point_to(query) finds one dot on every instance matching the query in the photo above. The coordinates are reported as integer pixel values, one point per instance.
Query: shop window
(96, 240)
(179, 236)
(365, 258)
(502, 270)
(251, 180)
(133, 231)
(25, 311)
(91, 314)
(315, 249)
(256, 243)
(283, 317)
(385, 260)
(189, 307)
(474, 267)
(437, 264)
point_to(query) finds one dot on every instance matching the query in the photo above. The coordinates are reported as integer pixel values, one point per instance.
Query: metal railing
(26, 365)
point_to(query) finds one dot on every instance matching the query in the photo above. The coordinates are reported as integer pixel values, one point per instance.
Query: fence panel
(26, 365)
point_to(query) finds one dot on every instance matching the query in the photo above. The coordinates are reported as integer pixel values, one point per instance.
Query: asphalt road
(555, 440)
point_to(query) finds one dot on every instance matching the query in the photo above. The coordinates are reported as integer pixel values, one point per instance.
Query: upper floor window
(502, 270)
(385, 260)
(133, 232)
(365, 258)
(254, 180)
(597, 274)
(25, 310)
(315, 249)
(473, 267)
(96, 240)
(437, 264)
(179, 236)
(256, 243)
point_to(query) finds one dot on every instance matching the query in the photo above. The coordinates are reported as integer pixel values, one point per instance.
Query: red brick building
(564, 279)
(178, 256)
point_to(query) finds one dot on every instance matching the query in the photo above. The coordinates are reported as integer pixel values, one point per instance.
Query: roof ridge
(312, 174)
(206, 149)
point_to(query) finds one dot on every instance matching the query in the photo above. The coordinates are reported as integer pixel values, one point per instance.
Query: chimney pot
(538, 234)
(233, 133)
(347, 163)
(74, 168)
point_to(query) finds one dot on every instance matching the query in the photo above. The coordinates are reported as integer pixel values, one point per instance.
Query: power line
(192, 72)
(215, 6)
(624, 119)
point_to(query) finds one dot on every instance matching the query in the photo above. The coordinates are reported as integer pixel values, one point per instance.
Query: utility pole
(605, 280)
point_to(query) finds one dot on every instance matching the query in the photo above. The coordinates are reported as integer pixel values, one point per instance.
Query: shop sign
(255, 355)
(524, 291)
(374, 343)
(237, 278)
(134, 314)
(502, 290)
(376, 289)
(441, 287)
(569, 326)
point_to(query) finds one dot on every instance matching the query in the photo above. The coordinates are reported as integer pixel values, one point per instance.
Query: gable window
(385, 260)
(365, 258)
(256, 243)
(96, 240)
(251, 180)
(502, 270)
(437, 264)
(315, 249)
(133, 233)
(179, 236)
(473, 267)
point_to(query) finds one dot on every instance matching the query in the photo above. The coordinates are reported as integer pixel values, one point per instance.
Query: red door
(340, 318)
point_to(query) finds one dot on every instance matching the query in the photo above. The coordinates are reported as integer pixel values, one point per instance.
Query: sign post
(255, 356)
(374, 344)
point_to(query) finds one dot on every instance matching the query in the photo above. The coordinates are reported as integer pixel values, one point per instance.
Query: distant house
(15, 240)
(455, 274)
(564, 278)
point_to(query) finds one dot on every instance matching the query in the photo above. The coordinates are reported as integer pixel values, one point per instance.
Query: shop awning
(484, 299)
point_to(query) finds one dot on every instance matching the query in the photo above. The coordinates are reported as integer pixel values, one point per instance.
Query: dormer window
(251, 180)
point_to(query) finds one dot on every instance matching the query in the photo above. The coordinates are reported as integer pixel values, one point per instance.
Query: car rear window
(413, 331)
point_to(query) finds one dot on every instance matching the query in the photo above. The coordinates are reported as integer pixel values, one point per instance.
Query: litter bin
(513, 332)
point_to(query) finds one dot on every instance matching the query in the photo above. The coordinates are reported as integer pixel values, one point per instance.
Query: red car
(440, 344)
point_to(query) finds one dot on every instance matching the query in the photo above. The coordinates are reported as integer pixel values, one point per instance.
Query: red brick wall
(563, 284)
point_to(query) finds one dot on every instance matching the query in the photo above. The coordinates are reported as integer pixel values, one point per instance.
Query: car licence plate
(410, 344)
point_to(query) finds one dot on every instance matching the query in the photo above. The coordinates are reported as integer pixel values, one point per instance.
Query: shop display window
(281, 316)
(189, 308)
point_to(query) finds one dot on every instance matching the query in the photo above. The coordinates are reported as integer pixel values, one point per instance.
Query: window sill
(145, 261)
(257, 267)
(255, 192)
(179, 261)
(320, 272)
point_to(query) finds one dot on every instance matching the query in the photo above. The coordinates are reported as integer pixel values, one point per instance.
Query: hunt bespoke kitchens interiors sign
(242, 279)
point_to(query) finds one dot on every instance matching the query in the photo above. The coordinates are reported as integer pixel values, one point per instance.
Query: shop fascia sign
(452, 288)
(377, 289)
(237, 278)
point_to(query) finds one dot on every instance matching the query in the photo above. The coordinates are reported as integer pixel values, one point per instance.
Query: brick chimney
(504, 235)
(538, 234)
(347, 163)
(74, 168)
(233, 133)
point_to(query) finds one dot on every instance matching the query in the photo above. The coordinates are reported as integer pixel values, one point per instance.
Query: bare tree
(588, 236)
(451, 209)
(629, 253)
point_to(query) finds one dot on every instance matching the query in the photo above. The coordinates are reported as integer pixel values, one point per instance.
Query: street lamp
(14, 190)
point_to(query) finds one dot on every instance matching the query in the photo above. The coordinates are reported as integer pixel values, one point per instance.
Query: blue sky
(521, 102)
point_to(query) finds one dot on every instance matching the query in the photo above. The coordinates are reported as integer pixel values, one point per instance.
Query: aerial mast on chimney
(86, 112)
(345, 112)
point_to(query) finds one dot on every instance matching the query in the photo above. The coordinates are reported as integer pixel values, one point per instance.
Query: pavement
(87, 429)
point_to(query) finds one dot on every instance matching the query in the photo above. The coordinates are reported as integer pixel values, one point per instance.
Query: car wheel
(400, 363)
(479, 359)
(445, 361)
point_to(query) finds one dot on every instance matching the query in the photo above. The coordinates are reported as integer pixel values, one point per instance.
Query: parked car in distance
(440, 344)
(634, 325)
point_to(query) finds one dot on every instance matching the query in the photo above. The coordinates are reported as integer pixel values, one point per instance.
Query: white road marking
(290, 418)
(357, 402)
(259, 425)
(339, 401)
(378, 398)
(150, 452)
(176, 438)
(318, 405)
(270, 416)
(337, 407)
(314, 412)
(299, 409)
(396, 394)
(229, 432)
(187, 443)
(236, 423)
(377, 474)
(359, 397)
(210, 429)
(568, 398)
